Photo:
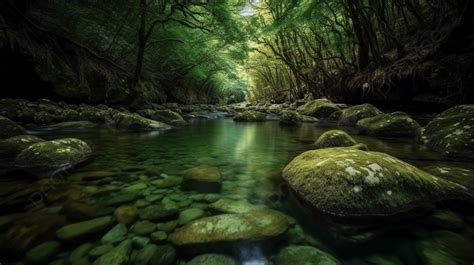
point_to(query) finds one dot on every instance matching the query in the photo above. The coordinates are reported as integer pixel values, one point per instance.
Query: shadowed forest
(118, 52)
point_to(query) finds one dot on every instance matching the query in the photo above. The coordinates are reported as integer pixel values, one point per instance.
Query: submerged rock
(231, 206)
(289, 117)
(159, 211)
(452, 132)
(334, 138)
(254, 225)
(129, 121)
(78, 230)
(47, 156)
(42, 253)
(352, 183)
(390, 124)
(189, 215)
(304, 255)
(165, 255)
(126, 214)
(212, 259)
(445, 248)
(120, 255)
(14, 145)
(116, 234)
(352, 115)
(250, 115)
(202, 179)
(319, 108)
(165, 116)
(8, 128)
(72, 125)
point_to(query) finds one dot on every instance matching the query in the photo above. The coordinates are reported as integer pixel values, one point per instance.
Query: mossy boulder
(452, 132)
(347, 182)
(166, 116)
(202, 179)
(319, 108)
(291, 118)
(135, 122)
(47, 156)
(227, 228)
(351, 115)
(304, 255)
(250, 115)
(390, 124)
(334, 138)
(8, 128)
(14, 145)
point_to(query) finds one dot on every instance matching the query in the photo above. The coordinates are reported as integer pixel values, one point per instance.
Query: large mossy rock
(319, 108)
(45, 157)
(290, 118)
(202, 179)
(228, 228)
(334, 138)
(351, 115)
(165, 116)
(8, 128)
(306, 255)
(390, 124)
(14, 145)
(346, 182)
(135, 122)
(452, 132)
(250, 115)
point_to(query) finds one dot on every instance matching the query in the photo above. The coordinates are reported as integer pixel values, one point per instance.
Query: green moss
(390, 124)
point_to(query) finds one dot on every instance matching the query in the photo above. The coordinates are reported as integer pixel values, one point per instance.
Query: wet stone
(212, 259)
(164, 255)
(76, 230)
(140, 241)
(159, 211)
(158, 236)
(167, 226)
(80, 252)
(126, 214)
(120, 255)
(100, 250)
(142, 228)
(115, 235)
(43, 252)
(189, 215)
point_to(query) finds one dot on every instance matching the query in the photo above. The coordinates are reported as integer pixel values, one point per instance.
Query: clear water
(250, 157)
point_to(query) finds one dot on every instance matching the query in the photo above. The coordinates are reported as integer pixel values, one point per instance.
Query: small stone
(140, 241)
(115, 235)
(100, 250)
(445, 219)
(202, 179)
(225, 205)
(80, 252)
(158, 236)
(212, 259)
(159, 211)
(120, 255)
(145, 255)
(164, 255)
(304, 255)
(135, 187)
(154, 198)
(167, 226)
(76, 230)
(142, 228)
(189, 215)
(42, 253)
(167, 182)
(126, 214)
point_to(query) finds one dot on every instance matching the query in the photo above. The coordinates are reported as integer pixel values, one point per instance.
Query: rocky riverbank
(200, 215)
